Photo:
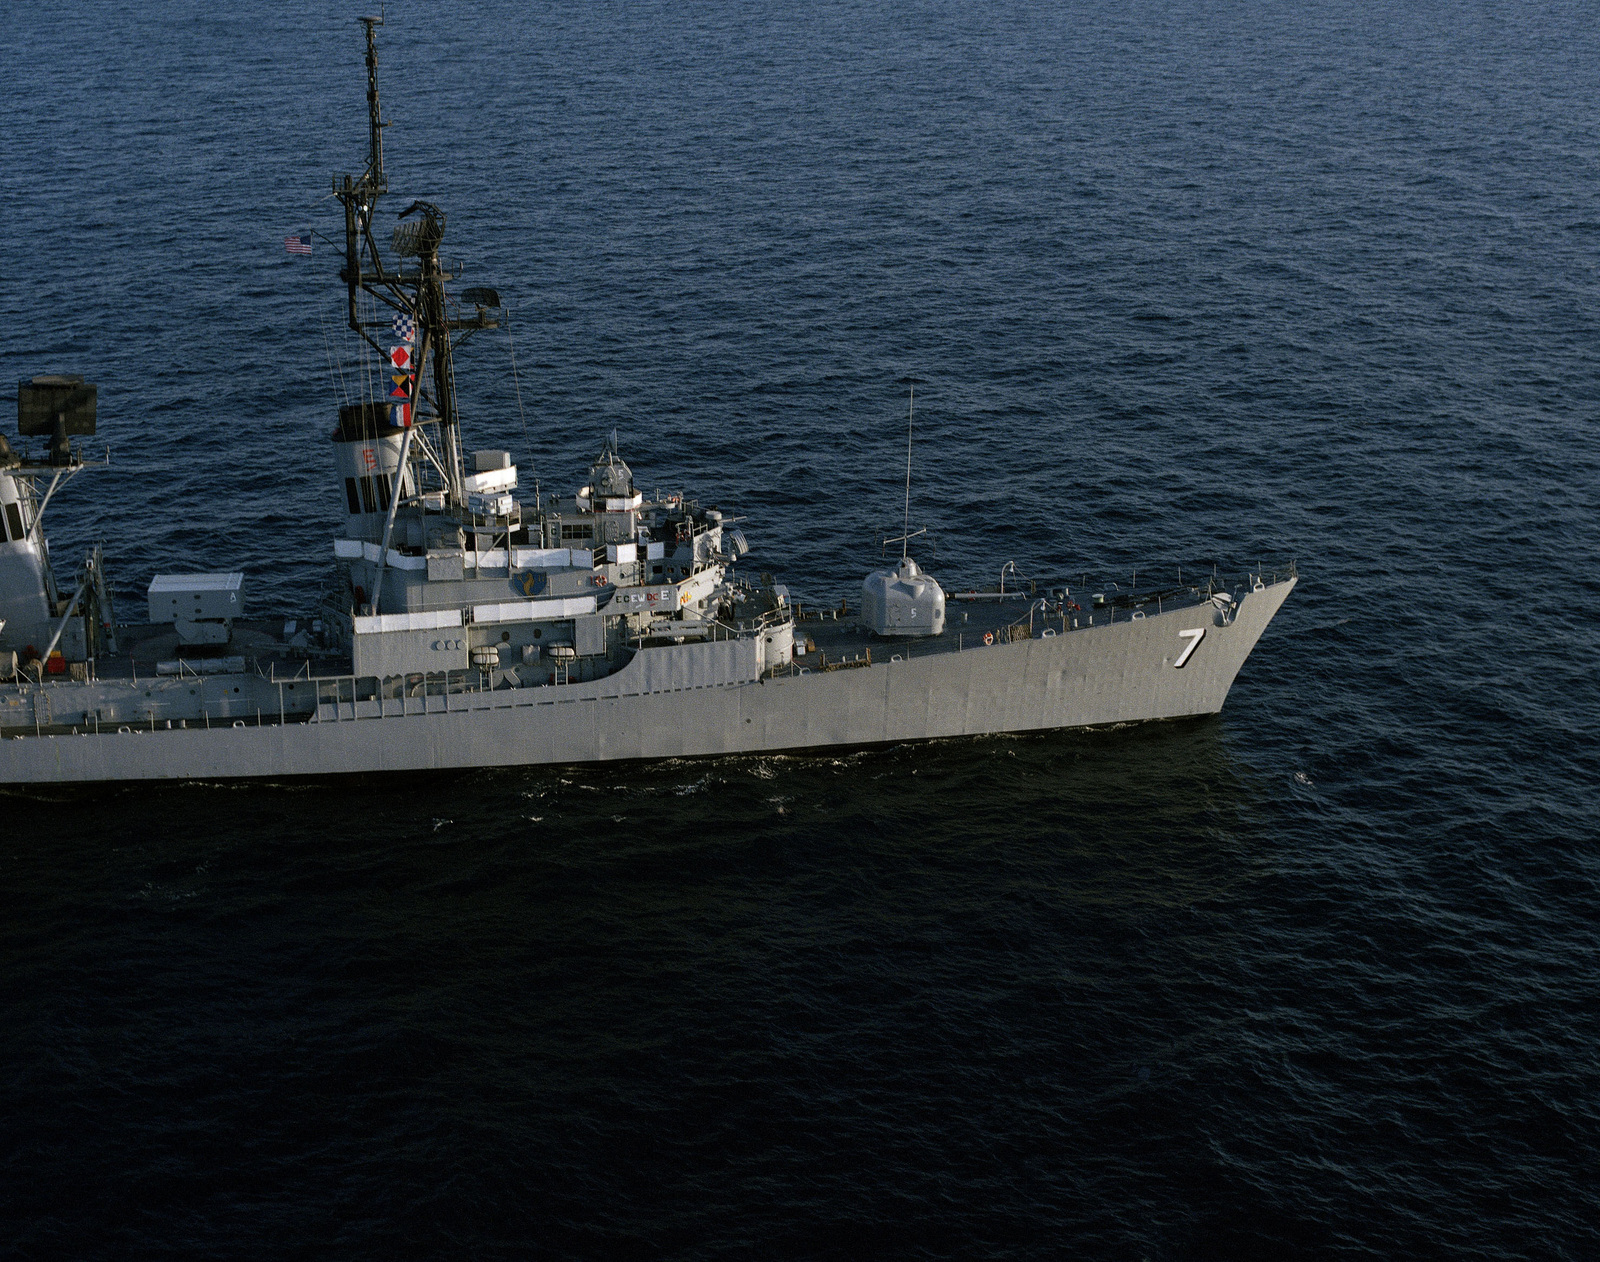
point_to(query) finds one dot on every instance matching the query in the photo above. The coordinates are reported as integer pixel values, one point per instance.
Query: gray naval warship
(466, 627)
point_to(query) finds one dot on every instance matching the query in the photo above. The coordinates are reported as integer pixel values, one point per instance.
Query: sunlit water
(1186, 286)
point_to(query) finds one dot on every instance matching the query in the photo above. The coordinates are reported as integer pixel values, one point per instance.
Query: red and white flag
(400, 357)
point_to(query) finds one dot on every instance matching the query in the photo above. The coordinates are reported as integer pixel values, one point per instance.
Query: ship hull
(707, 700)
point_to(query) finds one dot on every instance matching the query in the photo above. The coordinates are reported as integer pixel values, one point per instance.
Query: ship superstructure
(471, 624)
(449, 569)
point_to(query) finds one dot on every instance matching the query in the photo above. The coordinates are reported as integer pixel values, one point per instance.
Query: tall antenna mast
(905, 527)
(375, 180)
(416, 291)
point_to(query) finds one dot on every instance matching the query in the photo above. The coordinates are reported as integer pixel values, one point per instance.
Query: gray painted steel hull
(685, 702)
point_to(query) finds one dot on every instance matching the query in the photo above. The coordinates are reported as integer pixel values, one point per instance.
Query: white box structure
(486, 505)
(196, 597)
(491, 481)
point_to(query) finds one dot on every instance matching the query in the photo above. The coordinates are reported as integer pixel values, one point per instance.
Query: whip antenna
(905, 525)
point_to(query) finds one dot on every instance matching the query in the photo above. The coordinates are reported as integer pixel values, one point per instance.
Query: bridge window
(14, 517)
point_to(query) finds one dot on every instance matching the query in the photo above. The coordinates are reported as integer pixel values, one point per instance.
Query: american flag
(300, 244)
(405, 328)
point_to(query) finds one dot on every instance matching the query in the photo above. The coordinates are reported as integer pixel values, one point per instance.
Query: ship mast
(419, 294)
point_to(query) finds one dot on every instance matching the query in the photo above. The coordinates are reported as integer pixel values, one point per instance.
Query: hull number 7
(1194, 637)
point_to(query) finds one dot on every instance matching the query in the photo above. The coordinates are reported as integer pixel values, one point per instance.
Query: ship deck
(835, 639)
(266, 644)
(825, 639)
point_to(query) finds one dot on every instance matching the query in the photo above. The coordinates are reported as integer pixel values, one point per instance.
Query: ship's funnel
(366, 454)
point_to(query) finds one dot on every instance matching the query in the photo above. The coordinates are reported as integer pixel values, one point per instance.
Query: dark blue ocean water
(1187, 285)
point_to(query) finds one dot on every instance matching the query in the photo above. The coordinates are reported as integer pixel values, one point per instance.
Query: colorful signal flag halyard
(298, 244)
(400, 396)
(405, 328)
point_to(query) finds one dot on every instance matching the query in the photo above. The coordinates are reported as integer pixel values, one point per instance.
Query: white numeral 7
(1194, 637)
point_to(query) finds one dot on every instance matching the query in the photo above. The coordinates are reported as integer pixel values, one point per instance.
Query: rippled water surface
(1187, 286)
